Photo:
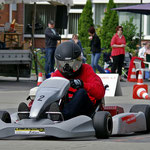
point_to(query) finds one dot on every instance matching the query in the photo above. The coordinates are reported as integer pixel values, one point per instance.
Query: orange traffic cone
(133, 75)
(52, 74)
(140, 78)
(40, 78)
(140, 91)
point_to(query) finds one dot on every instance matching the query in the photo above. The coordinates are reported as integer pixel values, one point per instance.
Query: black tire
(54, 107)
(5, 116)
(146, 110)
(102, 122)
(23, 108)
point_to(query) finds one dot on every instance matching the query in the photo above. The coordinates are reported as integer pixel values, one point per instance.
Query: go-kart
(100, 124)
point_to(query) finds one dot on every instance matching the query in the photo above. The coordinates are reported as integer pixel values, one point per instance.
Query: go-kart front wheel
(23, 111)
(102, 122)
(146, 110)
(5, 116)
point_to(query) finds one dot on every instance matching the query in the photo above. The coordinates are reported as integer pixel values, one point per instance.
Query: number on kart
(41, 97)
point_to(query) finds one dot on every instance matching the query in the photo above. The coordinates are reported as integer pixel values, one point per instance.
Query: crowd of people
(117, 43)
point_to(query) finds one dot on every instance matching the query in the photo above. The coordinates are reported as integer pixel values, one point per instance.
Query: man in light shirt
(142, 50)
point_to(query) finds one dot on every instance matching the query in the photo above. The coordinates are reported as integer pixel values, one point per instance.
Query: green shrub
(85, 22)
(109, 24)
(132, 37)
(87, 54)
(41, 59)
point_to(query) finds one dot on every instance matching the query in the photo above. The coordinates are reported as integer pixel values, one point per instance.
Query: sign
(112, 80)
(31, 131)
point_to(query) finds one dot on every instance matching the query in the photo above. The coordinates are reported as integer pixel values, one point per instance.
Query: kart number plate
(32, 131)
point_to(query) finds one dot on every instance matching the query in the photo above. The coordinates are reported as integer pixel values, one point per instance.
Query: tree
(132, 38)
(109, 24)
(85, 22)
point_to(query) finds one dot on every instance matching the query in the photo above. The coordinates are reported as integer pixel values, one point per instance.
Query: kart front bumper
(80, 126)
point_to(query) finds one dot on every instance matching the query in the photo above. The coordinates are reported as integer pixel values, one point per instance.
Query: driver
(86, 86)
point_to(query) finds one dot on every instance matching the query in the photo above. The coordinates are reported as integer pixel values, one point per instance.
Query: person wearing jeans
(95, 45)
(50, 61)
(51, 37)
(94, 62)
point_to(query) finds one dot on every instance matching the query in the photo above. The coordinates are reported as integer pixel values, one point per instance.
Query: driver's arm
(94, 85)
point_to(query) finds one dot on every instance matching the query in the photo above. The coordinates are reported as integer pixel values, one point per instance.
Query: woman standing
(118, 44)
(77, 41)
(96, 50)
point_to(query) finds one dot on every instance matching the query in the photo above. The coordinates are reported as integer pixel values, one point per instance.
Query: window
(73, 23)
(123, 16)
(99, 13)
(77, 7)
(14, 7)
(148, 22)
(44, 13)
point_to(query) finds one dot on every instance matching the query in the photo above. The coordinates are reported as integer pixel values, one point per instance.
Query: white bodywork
(52, 90)
(49, 91)
(129, 122)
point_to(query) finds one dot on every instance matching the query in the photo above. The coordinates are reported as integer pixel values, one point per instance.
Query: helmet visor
(69, 66)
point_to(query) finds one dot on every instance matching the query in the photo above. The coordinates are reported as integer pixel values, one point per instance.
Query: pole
(140, 27)
(32, 37)
(36, 61)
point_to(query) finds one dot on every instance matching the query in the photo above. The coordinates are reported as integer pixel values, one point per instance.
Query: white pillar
(145, 25)
(93, 10)
(10, 13)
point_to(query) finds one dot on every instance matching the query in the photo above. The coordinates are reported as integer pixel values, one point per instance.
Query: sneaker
(23, 108)
(54, 108)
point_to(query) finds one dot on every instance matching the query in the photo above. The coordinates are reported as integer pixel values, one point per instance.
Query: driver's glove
(76, 83)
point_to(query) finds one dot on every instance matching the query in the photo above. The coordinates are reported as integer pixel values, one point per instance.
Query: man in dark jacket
(51, 37)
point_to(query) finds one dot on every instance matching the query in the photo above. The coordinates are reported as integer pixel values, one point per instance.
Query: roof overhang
(64, 2)
(54, 2)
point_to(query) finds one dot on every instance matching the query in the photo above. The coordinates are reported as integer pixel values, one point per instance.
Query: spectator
(95, 45)
(51, 37)
(85, 84)
(147, 59)
(77, 41)
(118, 44)
(142, 51)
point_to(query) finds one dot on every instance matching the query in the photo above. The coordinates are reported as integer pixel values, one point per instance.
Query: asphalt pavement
(12, 93)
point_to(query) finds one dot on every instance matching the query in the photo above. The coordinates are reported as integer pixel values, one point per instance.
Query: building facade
(99, 7)
(45, 11)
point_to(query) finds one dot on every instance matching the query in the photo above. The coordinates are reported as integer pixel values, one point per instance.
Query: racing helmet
(68, 58)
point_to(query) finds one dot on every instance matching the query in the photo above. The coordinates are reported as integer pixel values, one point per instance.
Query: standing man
(51, 37)
(142, 51)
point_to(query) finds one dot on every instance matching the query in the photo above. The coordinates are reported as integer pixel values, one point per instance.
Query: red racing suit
(91, 81)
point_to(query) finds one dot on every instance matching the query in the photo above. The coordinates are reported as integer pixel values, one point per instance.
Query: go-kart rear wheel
(5, 116)
(146, 110)
(102, 122)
